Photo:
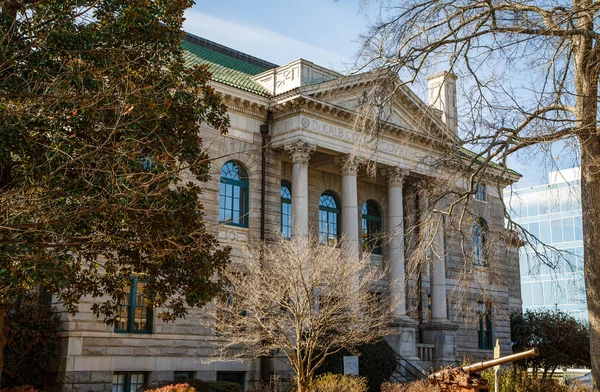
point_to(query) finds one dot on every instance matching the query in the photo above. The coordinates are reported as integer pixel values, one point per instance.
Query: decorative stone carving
(348, 165)
(299, 151)
(395, 176)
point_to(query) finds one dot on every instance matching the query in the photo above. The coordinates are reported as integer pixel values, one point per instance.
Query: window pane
(543, 203)
(532, 208)
(534, 229)
(538, 294)
(578, 231)
(568, 229)
(556, 225)
(137, 381)
(118, 382)
(545, 232)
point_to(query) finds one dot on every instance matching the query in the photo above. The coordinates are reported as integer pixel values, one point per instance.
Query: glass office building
(551, 213)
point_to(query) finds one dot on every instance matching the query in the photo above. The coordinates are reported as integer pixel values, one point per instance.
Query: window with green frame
(329, 217)
(233, 195)
(135, 316)
(479, 243)
(128, 381)
(371, 227)
(484, 326)
(286, 209)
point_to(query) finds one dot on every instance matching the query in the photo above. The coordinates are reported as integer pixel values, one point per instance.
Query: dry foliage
(300, 300)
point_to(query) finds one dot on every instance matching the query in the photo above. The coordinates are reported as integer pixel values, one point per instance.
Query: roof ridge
(205, 43)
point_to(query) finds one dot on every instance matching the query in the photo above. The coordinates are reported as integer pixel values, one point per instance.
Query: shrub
(338, 383)
(222, 386)
(185, 387)
(415, 386)
(518, 380)
(32, 331)
(21, 388)
(376, 362)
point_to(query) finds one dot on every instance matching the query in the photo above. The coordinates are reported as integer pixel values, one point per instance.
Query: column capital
(395, 176)
(348, 164)
(299, 151)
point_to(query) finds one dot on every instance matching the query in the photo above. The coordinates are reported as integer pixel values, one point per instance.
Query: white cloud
(258, 42)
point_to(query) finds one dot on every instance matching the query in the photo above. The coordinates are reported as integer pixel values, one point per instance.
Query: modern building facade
(552, 214)
(302, 117)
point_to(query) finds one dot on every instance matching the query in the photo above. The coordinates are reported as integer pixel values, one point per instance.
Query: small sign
(351, 365)
(497, 354)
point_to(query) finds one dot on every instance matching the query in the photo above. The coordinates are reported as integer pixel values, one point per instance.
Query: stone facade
(311, 137)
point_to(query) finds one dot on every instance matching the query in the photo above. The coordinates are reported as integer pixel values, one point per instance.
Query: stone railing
(425, 352)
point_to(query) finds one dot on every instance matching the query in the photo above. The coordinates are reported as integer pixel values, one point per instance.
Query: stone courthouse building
(305, 182)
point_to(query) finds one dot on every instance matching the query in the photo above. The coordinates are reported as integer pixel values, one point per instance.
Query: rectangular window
(556, 226)
(568, 229)
(183, 376)
(128, 381)
(578, 228)
(135, 316)
(484, 326)
(236, 377)
(480, 193)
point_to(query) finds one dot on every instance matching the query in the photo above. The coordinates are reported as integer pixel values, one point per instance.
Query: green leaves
(99, 119)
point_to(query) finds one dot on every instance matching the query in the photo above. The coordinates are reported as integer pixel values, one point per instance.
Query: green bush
(376, 362)
(338, 383)
(517, 380)
(32, 331)
(222, 386)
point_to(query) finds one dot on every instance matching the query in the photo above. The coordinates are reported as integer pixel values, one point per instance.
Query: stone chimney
(441, 94)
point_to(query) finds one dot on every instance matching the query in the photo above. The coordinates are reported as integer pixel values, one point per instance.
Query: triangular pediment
(406, 111)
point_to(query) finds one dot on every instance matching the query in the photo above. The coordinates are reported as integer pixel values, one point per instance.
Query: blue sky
(325, 32)
(322, 31)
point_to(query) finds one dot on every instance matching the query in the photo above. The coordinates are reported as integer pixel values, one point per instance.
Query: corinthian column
(300, 154)
(395, 178)
(349, 169)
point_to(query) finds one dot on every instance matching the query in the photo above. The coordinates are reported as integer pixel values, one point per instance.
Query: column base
(406, 340)
(442, 334)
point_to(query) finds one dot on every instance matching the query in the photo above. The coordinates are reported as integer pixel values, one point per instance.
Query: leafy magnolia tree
(101, 164)
(301, 298)
(560, 339)
(530, 72)
(32, 331)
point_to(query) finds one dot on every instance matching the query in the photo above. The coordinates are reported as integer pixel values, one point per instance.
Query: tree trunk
(302, 383)
(590, 204)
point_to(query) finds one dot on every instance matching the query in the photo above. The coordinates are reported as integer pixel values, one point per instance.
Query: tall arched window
(329, 217)
(286, 209)
(479, 239)
(233, 196)
(371, 227)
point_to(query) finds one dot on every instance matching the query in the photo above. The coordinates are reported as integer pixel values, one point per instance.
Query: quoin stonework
(314, 182)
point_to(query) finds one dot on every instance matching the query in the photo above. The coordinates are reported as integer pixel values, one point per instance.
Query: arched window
(371, 227)
(286, 209)
(329, 217)
(233, 196)
(479, 234)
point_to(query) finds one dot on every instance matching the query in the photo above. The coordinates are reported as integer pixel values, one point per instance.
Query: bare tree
(306, 299)
(551, 48)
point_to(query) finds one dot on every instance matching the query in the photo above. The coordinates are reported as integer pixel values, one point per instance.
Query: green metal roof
(227, 65)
